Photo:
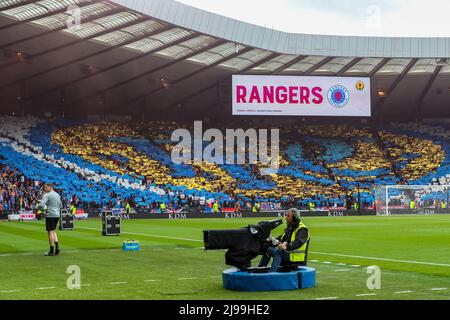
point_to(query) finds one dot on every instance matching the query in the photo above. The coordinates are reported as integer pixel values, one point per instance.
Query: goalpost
(411, 199)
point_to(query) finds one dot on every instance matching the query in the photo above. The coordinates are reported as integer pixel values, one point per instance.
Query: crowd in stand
(415, 157)
(119, 155)
(17, 191)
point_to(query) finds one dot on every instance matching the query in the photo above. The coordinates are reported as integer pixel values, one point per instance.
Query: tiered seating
(105, 162)
(414, 157)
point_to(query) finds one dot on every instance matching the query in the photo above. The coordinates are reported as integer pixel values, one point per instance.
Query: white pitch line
(326, 262)
(81, 285)
(313, 252)
(402, 292)
(152, 280)
(10, 291)
(328, 298)
(313, 261)
(26, 254)
(342, 270)
(46, 288)
(341, 264)
(366, 295)
(148, 235)
(116, 283)
(355, 265)
(438, 289)
(187, 278)
(5, 255)
(383, 259)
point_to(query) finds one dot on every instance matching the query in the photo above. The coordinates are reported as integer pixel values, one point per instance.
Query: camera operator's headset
(295, 215)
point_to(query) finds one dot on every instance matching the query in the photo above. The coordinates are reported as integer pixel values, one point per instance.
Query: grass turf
(414, 253)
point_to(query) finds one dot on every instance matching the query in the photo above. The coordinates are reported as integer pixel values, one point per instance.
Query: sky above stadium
(393, 18)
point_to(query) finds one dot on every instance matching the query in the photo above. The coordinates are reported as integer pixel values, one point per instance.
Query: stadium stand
(131, 58)
(108, 164)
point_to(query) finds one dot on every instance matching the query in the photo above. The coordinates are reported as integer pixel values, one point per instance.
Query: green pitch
(412, 252)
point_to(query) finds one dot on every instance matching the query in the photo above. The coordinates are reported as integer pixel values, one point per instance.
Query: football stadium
(150, 150)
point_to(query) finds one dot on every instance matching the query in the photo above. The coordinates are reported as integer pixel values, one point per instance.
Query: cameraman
(290, 247)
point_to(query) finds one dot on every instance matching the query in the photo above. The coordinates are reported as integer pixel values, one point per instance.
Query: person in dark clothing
(290, 247)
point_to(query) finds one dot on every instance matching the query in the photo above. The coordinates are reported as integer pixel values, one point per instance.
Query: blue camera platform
(262, 280)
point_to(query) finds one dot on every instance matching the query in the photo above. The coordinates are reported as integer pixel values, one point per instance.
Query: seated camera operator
(290, 247)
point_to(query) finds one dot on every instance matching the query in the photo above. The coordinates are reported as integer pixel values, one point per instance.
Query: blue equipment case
(131, 245)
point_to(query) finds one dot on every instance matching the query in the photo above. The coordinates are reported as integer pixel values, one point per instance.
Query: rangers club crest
(338, 96)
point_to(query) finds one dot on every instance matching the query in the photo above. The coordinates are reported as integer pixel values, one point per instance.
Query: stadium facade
(160, 57)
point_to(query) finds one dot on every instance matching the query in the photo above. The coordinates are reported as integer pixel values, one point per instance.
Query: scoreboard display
(301, 96)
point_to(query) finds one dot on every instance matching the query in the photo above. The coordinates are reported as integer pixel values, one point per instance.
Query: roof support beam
(382, 100)
(18, 5)
(378, 104)
(317, 66)
(70, 62)
(149, 94)
(401, 76)
(287, 65)
(190, 96)
(348, 67)
(114, 66)
(71, 43)
(427, 88)
(48, 14)
(45, 15)
(254, 65)
(379, 67)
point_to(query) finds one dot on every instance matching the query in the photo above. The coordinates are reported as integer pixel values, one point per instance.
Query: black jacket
(300, 238)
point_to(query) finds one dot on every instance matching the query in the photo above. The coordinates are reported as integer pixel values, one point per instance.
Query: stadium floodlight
(165, 83)
(412, 199)
(381, 93)
(20, 56)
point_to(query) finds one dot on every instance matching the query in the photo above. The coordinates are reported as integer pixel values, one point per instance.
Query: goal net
(406, 199)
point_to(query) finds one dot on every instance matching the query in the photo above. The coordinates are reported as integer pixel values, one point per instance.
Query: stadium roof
(289, 43)
(158, 55)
